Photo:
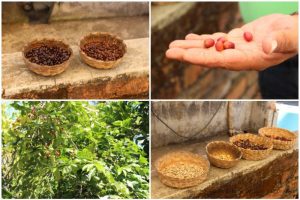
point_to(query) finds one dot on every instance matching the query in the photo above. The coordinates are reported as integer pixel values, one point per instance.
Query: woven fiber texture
(271, 133)
(46, 70)
(223, 154)
(182, 169)
(99, 64)
(249, 154)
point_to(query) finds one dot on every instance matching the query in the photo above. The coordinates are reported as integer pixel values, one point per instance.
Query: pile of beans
(106, 49)
(247, 144)
(183, 170)
(222, 43)
(278, 138)
(48, 55)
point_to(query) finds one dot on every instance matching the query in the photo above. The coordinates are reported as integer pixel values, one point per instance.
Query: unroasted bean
(183, 170)
(47, 55)
(106, 49)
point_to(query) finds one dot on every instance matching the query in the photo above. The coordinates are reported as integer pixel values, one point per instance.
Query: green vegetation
(75, 150)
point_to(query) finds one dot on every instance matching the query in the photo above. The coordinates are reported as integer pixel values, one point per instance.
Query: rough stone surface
(274, 177)
(129, 78)
(173, 79)
(188, 119)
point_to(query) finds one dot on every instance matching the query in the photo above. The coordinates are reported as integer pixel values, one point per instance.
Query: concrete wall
(188, 118)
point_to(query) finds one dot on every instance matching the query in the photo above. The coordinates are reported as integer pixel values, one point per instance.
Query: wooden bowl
(99, 64)
(223, 154)
(182, 169)
(250, 154)
(46, 70)
(275, 133)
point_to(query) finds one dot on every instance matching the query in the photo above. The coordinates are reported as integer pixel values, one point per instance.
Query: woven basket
(99, 64)
(46, 70)
(223, 154)
(279, 132)
(178, 158)
(249, 154)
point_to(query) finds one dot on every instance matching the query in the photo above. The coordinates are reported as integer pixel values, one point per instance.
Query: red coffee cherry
(248, 36)
(219, 46)
(228, 45)
(221, 39)
(209, 43)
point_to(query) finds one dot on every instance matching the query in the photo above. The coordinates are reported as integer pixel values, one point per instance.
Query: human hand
(275, 39)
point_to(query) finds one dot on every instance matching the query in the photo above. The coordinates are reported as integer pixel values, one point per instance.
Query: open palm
(275, 39)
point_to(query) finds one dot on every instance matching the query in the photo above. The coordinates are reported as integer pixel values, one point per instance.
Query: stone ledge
(19, 82)
(229, 183)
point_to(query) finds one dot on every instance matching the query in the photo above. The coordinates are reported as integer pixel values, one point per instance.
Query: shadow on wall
(177, 122)
(172, 79)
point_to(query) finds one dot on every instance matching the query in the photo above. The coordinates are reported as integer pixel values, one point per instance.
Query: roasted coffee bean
(247, 144)
(106, 49)
(48, 55)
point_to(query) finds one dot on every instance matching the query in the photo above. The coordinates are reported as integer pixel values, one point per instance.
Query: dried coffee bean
(247, 144)
(105, 49)
(48, 55)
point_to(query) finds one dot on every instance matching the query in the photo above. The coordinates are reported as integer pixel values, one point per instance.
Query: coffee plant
(75, 150)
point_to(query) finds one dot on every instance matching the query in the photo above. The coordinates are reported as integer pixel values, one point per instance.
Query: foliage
(75, 150)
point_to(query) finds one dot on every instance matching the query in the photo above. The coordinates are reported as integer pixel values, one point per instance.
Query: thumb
(284, 41)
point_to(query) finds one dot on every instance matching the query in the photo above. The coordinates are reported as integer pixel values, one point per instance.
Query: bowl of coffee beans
(223, 154)
(102, 50)
(253, 147)
(182, 169)
(282, 139)
(47, 57)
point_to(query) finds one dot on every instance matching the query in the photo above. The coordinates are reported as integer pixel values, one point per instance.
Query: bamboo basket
(249, 154)
(177, 159)
(99, 64)
(223, 154)
(46, 70)
(279, 132)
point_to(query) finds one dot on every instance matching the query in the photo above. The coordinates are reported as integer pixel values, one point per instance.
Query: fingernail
(273, 46)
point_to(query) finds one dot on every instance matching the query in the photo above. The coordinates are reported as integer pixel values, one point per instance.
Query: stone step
(79, 81)
(248, 179)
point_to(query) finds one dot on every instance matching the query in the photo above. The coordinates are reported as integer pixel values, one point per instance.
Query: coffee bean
(48, 55)
(106, 49)
(247, 144)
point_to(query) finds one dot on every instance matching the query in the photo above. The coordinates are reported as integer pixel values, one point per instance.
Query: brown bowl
(182, 169)
(250, 154)
(100, 64)
(47, 70)
(223, 154)
(274, 133)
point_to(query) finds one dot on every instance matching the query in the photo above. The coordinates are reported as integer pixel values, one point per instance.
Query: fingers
(284, 41)
(196, 56)
(194, 41)
(186, 44)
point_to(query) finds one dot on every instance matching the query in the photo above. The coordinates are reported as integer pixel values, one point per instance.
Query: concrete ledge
(273, 177)
(129, 79)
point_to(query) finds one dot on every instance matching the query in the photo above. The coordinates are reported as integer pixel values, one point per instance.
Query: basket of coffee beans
(282, 139)
(223, 154)
(47, 57)
(253, 147)
(102, 50)
(182, 169)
